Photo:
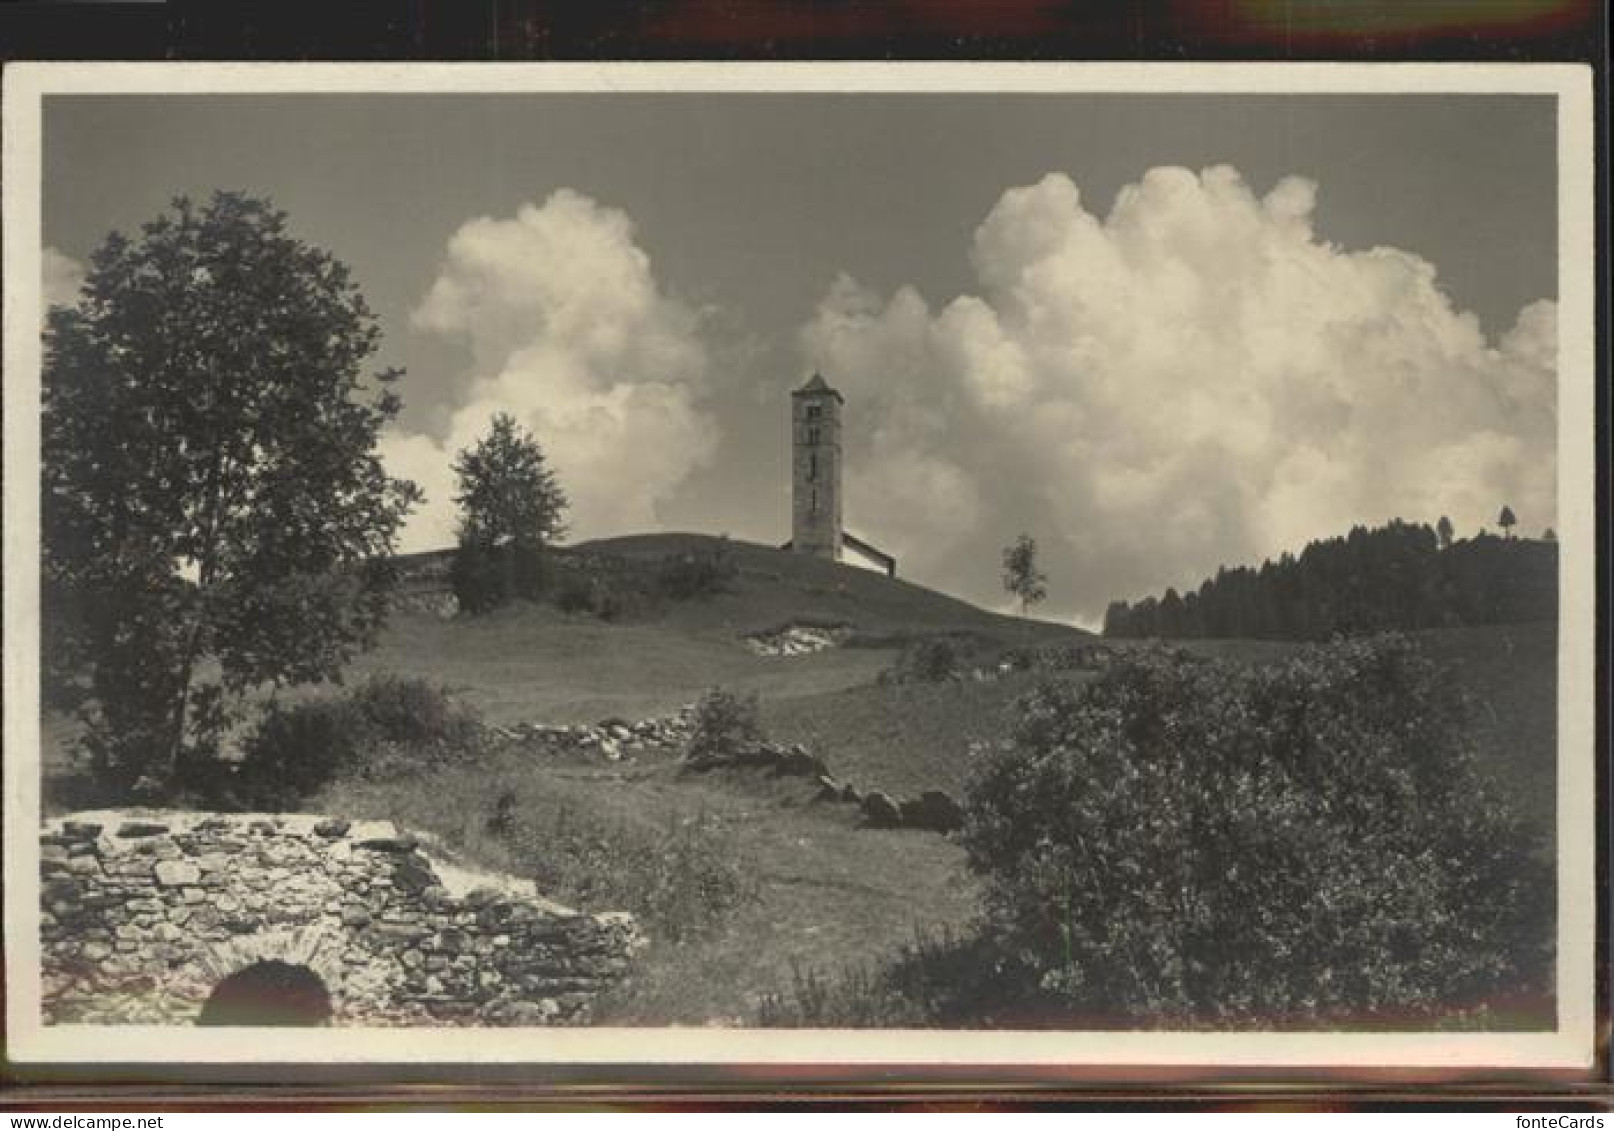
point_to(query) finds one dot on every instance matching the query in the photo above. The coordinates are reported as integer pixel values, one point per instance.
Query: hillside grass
(773, 588)
(830, 899)
(905, 737)
(819, 890)
(822, 893)
(900, 737)
(533, 662)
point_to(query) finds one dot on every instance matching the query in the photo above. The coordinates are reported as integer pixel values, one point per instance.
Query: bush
(1056, 658)
(607, 598)
(937, 980)
(725, 722)
(934, 659)
(299, 747)
(576, 596)
(296, 750)
(415, 713)
(485, 577)
(501, 821)
(683, 577)
(1191, 842)
(617, 602)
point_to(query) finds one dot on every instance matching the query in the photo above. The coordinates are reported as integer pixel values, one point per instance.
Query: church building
(816, 522)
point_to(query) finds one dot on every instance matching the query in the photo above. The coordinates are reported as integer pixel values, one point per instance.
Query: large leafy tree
(215, 516)
(511, 507)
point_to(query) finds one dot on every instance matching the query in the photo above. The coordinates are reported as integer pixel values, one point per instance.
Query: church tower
(815, 423)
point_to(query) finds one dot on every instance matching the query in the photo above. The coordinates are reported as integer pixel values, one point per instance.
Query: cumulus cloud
(62, 275)
(1193, 379)
(570, 333)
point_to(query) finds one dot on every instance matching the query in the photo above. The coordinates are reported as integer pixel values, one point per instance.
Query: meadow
(749, 884)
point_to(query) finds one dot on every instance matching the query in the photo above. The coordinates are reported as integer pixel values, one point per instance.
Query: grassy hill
(902, 738)
(826, 892)
(774, 587)
(534, 662)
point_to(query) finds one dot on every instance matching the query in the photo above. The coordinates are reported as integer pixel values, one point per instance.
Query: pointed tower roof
(817, 384)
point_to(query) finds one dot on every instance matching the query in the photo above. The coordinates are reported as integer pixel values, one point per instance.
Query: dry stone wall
(612, 739)
(144, 913)
(932, 810)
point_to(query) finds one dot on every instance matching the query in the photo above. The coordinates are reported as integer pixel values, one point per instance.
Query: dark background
(1538, 30)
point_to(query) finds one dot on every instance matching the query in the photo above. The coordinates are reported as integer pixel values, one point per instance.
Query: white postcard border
(1569, 1047)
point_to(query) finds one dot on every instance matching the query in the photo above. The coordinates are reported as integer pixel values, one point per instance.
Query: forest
(1402, 575)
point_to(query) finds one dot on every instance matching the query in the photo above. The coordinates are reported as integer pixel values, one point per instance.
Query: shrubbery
(1193, 842)
(575, 596)
(726, 722)
(299, 747)
(939, 980)
(609, 598)
(485, 577)
(1056, 658)
(683, 577)
(602, 585)
(931, 659)
(295, 750)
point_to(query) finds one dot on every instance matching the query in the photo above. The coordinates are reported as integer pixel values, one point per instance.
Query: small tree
(215, 516)
(726, 722)
(1021, 577)
(1506, 521)
(1444, 532)
(510, 508)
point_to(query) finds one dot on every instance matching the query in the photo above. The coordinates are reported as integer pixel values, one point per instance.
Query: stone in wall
(611, 739)
(143, 914)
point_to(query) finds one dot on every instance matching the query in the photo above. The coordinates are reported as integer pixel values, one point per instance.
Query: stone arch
(143, 914)
(312, 947)
(269, 992)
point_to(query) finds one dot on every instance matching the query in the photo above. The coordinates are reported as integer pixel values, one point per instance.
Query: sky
(1158, 333)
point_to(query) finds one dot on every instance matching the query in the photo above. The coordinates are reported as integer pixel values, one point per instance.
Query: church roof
(870, 551)
(817, 384)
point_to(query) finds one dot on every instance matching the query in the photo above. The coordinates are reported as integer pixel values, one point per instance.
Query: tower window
(813, 503)
(812, 466)
(812, 435)
(814, 411)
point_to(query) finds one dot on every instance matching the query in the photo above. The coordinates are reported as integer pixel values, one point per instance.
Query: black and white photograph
(1042, 564)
